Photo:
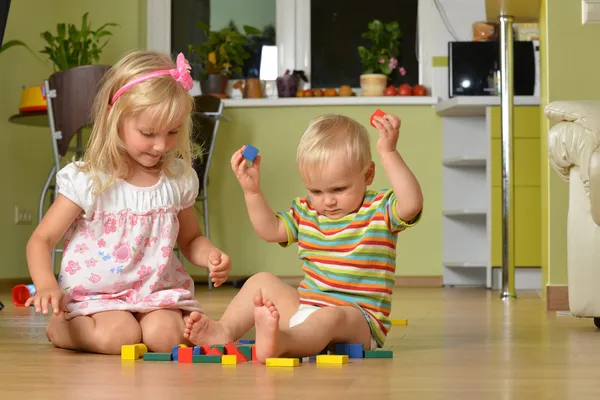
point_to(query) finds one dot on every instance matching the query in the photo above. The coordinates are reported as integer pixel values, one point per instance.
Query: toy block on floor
(254, 353)
(230, 359)
(379, 354)
(214, 352)
(250, 152)
(158, 357)
(247, 341)
(185, 354)
(206, 359)
(350, 349)
(231, 349)
(218, 346)
(247, 351)
(282, 362)
(197, 351)
(133, 351)
(175, 351)
(399, 322)
(332, 359)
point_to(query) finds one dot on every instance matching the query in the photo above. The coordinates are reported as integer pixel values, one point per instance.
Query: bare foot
(266, 318)
(59, 333)
(200, 330)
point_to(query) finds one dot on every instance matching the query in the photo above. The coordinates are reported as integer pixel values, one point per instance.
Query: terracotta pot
(373, 84)
(215, 85)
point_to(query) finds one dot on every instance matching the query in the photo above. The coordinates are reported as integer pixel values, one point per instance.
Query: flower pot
(373, 84)
(215, 85)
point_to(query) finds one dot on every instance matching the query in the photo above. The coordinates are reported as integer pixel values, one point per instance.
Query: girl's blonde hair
(330, 135)
(163, 97)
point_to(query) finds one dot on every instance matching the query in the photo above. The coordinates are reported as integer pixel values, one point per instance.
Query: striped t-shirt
(349, 261)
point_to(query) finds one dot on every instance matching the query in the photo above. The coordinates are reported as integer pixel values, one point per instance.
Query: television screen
(4, 6)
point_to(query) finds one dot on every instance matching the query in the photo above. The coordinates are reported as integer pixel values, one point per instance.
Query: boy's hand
(44, 297)
(247, 176)
(219, 265)
(389, 131)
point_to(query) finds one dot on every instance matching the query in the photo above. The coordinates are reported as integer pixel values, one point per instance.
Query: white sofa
(573, 147)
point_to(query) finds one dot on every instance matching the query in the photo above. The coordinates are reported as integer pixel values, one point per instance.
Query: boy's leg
(324, 326)
(239, 316)
(103, 332)
(162, 329)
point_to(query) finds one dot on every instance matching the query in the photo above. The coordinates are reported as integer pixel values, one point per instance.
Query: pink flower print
(120, 286)
(150, 241)
(393, 63)
(79, 292)
(162, 213)
(167, 301)
(166, 232)
(133, 220)
(181, 269)
(95, 278)
(66, 244)
(187, 284)
(138, 257)
(122, 219)
(146, 220)
(101, 243)
(137, 285)
(144, 271)
(402, 71)
(138, 240)
(83, 305)
(72, 267)
(92, 262)
(122, 253)
(110, 226)
(81, 248)
(166, 251)
(156, 286)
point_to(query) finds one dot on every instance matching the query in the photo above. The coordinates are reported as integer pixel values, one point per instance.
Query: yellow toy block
(133, 351)
(283, 362)
(332, 359)
(230, 359)
(399, 322)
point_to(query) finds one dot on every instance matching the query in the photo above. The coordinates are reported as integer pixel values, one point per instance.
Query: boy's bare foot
(200, 330)
(266, 318)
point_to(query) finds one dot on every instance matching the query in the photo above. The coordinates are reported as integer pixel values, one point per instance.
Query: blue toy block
(250, 152)
(197, 351)
(342, 349)
(355, 351)
(247, 341)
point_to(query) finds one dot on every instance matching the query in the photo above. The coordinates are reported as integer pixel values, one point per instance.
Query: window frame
(291, 34)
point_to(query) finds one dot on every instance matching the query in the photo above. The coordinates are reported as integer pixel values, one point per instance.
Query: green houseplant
(380, 58)
(221, 55)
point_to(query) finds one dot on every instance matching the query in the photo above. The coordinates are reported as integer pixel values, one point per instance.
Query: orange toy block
(185, 354)
(232, 350)
(214, 352)
(254, 353)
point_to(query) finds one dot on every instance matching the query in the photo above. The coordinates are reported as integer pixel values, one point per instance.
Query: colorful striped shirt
(350, 261)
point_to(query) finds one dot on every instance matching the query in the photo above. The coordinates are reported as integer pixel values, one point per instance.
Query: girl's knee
(161, 334)
(110, 337)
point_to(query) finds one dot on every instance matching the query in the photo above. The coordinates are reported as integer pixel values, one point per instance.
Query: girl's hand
(53, 296)
(219, 265)
(389, 131)
(247, 176)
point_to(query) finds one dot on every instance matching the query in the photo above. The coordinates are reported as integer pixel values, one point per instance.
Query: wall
(26, 151)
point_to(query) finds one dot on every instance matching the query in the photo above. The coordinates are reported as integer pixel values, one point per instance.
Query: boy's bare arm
(266, 224)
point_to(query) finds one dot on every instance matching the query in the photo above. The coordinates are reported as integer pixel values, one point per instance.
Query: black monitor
(4, 6)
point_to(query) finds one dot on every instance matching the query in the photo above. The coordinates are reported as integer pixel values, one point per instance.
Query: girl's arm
(51, 229)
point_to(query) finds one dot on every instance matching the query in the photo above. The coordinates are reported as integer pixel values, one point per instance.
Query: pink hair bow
(181, 74)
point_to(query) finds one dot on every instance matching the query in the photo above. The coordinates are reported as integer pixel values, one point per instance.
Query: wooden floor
(459, 344)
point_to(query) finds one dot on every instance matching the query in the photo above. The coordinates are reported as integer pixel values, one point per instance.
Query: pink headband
(181, 74)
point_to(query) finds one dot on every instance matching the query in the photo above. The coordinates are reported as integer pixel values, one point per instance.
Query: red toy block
(205, 349)
(214, 352)
(377, 113)
(231, 349)
(254, 353)
(185, 354)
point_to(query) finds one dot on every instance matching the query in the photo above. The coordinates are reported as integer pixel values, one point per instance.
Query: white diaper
(305, 310)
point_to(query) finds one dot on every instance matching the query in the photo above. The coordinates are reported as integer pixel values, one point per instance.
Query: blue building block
(197, 351)
(250, 152)
(351, 350)
(247, 341)
(175, 352)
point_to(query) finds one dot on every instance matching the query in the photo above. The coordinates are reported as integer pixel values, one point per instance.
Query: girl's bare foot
(200, 330)
(266, 318)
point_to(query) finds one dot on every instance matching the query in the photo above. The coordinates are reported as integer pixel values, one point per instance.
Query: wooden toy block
(206, 359)
(377, 113)
(341, 348)
(214, 352)
(205, 348)
(254, 353)
(158, 357)
(355, 350)
(129, 352)
(141, 349)
(247, 351)
(282, 362)
(399, 322)
(250, 152)
(230, 359)
(231, 349)
(379, 354)
(219, 346)
(247, 341)
(332, 359)
(185, 354)
(197, 351)
(175, 351)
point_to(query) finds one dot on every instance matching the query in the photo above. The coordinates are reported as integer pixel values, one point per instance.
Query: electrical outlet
(22, 216)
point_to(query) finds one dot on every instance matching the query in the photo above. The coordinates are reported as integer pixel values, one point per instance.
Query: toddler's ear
(370, 174)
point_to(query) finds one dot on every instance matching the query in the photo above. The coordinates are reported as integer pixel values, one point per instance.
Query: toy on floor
(377, 113)
(21, 293)
(399, 322)
(133, 351)
(1, 306)
(250, 152)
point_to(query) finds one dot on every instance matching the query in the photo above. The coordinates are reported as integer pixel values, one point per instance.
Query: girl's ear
(370, 174)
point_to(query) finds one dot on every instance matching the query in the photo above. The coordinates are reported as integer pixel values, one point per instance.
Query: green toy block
(221, 347)
(247, 351)
(206, 359)
(379, 354)
(157, 357)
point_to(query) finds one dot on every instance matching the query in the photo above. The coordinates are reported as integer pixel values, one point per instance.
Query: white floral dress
(118, 254)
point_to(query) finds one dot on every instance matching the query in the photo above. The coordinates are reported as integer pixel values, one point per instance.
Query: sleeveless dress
(118, 253)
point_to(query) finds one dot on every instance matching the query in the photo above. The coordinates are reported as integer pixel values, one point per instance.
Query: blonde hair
(328, 136)
(161, 96)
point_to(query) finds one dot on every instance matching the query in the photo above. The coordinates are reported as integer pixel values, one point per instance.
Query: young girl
(121, 211)
(346, 235)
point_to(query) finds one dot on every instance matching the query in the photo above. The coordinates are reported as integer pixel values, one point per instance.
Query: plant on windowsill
(221, 55)
(380, 58)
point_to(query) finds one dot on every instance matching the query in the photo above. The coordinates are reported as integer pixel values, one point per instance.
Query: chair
(574, 154)
(70, 95)
(206, 119)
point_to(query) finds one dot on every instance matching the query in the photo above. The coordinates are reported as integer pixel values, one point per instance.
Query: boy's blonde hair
(330, 135)
(162, 96)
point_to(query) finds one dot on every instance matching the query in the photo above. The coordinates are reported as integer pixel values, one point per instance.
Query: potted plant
(221, 55)
(381, 58)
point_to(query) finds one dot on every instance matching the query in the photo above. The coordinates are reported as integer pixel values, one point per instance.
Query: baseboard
(401, 281)
(526, 278)
(557, 298)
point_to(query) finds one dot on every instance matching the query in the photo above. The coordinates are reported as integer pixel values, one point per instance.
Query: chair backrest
(75, 92)
(207, 110)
